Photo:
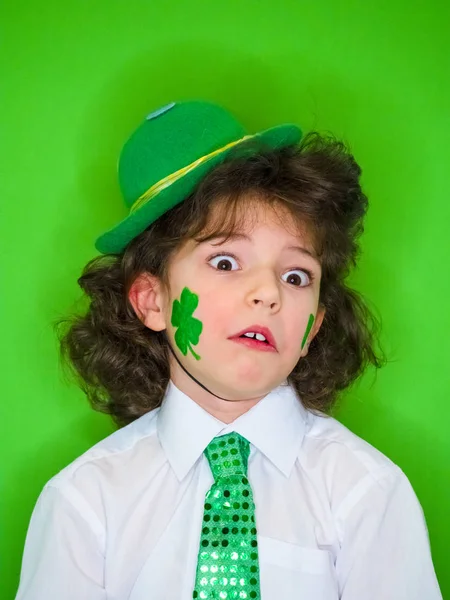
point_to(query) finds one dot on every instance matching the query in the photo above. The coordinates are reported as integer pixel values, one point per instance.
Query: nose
(265, 292)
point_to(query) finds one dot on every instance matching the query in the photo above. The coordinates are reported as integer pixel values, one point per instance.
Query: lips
(258, 329)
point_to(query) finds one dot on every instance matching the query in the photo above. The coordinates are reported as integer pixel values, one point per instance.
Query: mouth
(256, 337)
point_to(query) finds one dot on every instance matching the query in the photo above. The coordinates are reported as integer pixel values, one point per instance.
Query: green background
(77, 77)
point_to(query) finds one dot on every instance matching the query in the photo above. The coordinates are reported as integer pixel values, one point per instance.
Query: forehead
(250, 212)
(245, 215)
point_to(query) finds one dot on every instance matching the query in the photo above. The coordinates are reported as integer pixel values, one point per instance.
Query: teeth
(258, 336)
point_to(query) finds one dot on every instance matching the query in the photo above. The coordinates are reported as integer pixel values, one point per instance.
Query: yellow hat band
(160, 185)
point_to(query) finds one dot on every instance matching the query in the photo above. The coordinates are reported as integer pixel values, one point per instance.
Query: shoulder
(98, 484)
(113, 457)
(334, 442)
(348, 468)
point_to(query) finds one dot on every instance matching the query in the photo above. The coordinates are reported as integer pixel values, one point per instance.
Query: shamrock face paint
(189, 328)
(308, 329)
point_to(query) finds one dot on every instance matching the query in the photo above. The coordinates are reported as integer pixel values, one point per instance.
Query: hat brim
(116, 239)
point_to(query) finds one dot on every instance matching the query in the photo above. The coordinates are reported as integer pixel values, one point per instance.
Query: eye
(299, 277)
(222, 262)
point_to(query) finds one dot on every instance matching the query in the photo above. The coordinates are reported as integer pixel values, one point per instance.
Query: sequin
(228, 559)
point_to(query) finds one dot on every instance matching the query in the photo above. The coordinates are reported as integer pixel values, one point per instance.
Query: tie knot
(228, 455)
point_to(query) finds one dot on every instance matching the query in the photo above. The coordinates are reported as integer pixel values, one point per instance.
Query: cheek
(298, 325)
(309, 326)
(216, 312)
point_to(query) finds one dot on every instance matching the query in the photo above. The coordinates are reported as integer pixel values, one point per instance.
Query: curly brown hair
(123, 367)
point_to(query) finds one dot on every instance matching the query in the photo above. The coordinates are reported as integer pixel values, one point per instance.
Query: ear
(147, 298)
(315, 329)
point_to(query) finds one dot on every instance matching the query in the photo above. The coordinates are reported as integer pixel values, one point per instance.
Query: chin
(243, 389)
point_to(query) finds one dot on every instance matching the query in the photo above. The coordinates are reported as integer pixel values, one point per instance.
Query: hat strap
(166, 181)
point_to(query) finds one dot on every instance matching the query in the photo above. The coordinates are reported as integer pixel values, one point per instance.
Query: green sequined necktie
(228, 556)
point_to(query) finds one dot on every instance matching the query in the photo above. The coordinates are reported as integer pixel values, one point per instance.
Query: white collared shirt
(336, 519)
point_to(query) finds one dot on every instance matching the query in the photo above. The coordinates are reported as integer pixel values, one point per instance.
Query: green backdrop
(77, 77)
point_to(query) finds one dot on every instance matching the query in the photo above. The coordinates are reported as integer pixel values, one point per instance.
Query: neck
(224, 409)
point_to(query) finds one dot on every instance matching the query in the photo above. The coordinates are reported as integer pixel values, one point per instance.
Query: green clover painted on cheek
(308, 329)
(189, 328)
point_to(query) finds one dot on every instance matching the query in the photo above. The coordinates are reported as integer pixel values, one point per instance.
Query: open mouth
(255, 336)
(254, 342)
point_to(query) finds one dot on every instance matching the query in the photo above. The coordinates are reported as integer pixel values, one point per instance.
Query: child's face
(256, 280)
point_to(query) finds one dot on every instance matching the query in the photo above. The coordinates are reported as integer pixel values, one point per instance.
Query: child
(219, 333)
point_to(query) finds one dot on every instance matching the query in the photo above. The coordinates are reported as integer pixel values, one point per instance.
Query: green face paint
(308, 329)
(189, 328)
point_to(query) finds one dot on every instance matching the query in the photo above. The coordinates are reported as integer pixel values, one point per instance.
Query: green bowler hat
(169, 154)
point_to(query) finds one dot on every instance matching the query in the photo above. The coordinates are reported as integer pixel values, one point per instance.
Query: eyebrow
(244, 236)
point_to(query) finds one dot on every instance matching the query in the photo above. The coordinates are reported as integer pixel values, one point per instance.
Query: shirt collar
(275, 426)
